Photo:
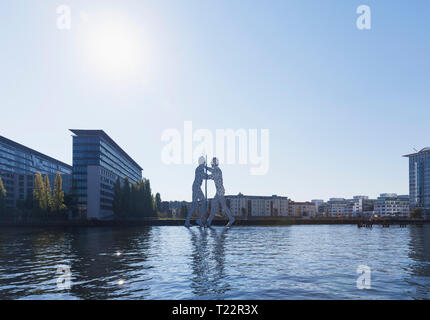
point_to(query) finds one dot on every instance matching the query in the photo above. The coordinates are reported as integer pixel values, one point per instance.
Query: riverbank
(180, 222)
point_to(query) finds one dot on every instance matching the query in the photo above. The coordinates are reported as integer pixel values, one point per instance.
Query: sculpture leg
(202, 208)
(193, 208)
(227, 211)
(214, 208)
(202, 213)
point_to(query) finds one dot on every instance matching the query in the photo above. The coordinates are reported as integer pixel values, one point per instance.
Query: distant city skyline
(342, 105)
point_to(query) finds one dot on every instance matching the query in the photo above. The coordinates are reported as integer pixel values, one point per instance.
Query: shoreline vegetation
(135, 205)
(287, 221)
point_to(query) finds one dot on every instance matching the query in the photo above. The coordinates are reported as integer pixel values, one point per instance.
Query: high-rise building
(419, 180)
(97, 163)
(19, 164)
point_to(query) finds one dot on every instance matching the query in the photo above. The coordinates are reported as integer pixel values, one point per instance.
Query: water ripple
(293, 262)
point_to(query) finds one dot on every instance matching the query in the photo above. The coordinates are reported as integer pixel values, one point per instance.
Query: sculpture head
(214, 162)
(202, 161)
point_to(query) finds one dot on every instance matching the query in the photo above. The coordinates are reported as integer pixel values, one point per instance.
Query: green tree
(125, 198)
(157, 202)
(57, 203)
(48, 193)
(134, 211)
(141, 199)
(148, 199)
(39, 193)
(3, 195)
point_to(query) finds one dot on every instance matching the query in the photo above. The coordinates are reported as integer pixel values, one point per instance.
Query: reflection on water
(295, 262)
(208, 263)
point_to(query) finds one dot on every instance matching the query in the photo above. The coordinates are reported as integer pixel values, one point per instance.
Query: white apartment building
(354, 207)
(318, 203)
(244, 206)
(337, 207)
(302, 209)
(391, 204)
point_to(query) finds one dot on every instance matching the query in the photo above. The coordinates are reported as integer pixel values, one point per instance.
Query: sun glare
(113, 46)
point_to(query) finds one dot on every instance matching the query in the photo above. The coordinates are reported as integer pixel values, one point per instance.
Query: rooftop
(422, 151)
(103, 135)
(34, 152)
(256, 197)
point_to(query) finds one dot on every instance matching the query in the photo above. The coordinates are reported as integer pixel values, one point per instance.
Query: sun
(113, 45)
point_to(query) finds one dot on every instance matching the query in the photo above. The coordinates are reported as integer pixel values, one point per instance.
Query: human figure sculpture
(216, 176)
(198, 194)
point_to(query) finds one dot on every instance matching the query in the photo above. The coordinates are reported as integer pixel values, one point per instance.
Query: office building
(419, 180)
(19, 164)
(97, 163)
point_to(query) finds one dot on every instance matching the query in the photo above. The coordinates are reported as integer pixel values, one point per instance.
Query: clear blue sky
(342, 105)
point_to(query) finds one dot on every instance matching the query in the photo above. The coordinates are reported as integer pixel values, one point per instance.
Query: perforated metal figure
(216, 176)
(198, 194)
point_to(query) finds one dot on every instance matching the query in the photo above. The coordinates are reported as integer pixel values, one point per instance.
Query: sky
(342, 105)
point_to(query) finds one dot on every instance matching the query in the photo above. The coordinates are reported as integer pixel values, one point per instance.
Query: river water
(288, 262)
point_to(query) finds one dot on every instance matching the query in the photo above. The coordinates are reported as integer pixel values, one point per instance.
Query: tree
(57, 203)
(134, 200)
(39, 194)
(141, 199)
(183, 212)
(134, 195)
(48, 194)
(116, 204)
(157, 202)
(3, 195)
(148, 199)
(125, 198)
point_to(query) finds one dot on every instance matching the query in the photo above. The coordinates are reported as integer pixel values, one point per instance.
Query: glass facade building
(19, 164)
(419, 180)
(97, 163)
